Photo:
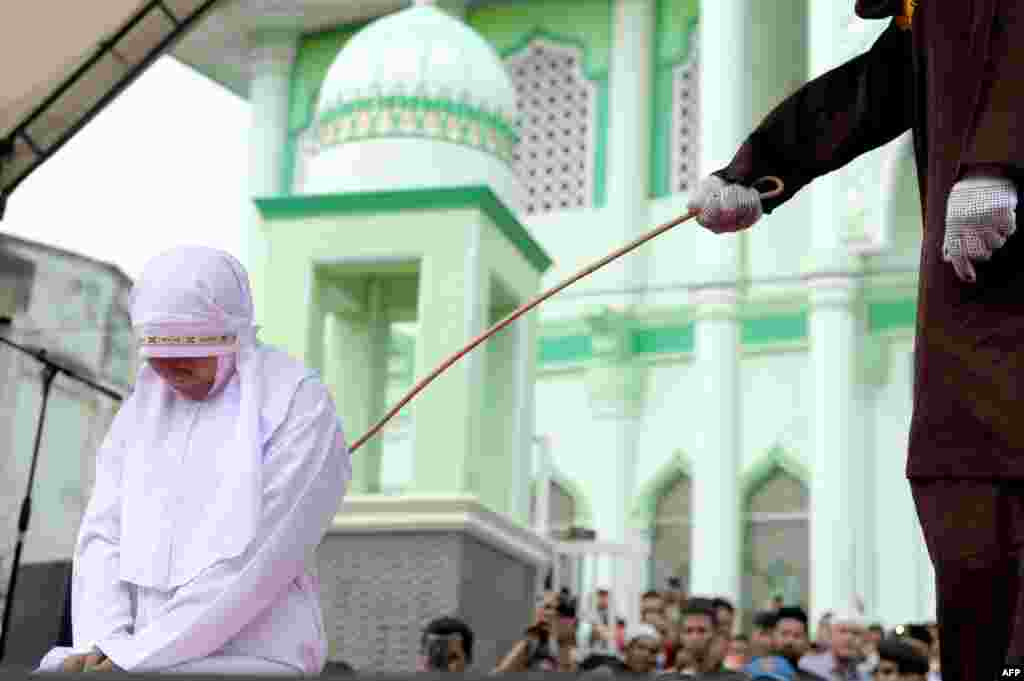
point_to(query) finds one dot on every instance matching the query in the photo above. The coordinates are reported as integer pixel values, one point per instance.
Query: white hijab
(190, 302)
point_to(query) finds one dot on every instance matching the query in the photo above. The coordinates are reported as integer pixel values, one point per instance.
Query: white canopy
(61, 62)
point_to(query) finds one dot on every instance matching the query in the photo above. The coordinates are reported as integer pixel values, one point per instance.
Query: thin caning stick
(523, 309)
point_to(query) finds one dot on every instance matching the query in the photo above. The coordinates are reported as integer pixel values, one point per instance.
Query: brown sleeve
(831, 120)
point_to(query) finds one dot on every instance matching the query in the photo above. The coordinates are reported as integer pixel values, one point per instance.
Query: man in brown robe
(946, 74)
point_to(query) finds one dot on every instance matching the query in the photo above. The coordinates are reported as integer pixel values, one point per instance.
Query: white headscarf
(191, 302)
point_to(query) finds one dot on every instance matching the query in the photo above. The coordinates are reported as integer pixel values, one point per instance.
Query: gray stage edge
(389, 565)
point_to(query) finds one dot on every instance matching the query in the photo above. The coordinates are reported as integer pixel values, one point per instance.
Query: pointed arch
(766, 466)
(583, 515)
(776, 539)
(645, 504)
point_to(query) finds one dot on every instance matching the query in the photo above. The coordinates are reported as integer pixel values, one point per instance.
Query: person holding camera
(549, 644)
(446, 646)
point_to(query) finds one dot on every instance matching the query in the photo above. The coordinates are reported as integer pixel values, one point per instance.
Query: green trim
(291, 146)
(448, 198)
(764, 327)
(676, 22)
(316, 54)
(661, 133)
(584, 513)
(560, 349)
(774, 329)
(660, 340)
(416, 117)
(765, 468)
(586, 24)
(313, 59)
(884, 316)
(774, 461)
(601, 152)
(645, 503)
(524, 40)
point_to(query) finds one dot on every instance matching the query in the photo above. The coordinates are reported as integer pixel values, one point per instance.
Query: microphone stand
(50, 371)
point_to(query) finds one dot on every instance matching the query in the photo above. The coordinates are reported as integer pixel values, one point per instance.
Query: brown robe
(968, 416)
(942, 78)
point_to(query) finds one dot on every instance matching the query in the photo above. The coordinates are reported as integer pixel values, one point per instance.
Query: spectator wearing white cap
(643, 643)
(840, 662)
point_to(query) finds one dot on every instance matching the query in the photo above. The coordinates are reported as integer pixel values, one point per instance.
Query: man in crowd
(899, 661)
(840, 662)
(643, 643)
(674, 598)
(823, 634)
(598, 630)
(703, 648)
(548, 644)
(790, 640)
(869, 656)
(699, 626)
(726, 614)
(652, 612)
(916, 636)
(762, 633)
(446, 645)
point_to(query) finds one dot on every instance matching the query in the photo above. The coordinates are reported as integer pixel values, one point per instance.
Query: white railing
(583, 566)
(624, 564)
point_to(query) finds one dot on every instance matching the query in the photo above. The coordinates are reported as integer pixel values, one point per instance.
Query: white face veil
(190, 302)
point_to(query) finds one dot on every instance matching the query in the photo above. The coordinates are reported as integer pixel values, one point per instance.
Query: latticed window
(685, 121)
(672, 534)
(778, 543)
(554, 156)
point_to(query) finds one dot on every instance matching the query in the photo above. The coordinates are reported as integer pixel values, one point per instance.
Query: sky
(163, 165)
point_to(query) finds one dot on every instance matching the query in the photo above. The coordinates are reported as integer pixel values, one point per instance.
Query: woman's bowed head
(192, 377)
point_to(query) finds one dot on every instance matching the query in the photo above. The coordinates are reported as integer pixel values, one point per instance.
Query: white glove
(725, 207)
(980, 217)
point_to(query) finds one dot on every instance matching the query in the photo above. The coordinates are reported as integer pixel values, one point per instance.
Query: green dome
(419, 72)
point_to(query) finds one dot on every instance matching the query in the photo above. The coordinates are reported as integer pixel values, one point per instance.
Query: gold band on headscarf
(905, 20)
(187, 340)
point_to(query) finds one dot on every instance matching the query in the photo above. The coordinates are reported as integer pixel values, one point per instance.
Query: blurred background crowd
(681, 636)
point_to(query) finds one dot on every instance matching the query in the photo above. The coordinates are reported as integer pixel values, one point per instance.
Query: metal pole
(49, 372)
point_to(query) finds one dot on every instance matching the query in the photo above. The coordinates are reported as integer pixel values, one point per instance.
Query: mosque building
(730, 410)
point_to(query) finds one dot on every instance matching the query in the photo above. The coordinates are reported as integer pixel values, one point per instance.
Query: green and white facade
(732, 409)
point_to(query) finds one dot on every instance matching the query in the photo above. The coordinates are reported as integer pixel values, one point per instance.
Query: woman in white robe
(215, 485)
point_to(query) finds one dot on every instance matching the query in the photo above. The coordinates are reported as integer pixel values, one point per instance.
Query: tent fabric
(92, 51)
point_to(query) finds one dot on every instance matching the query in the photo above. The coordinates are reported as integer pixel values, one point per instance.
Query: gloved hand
(725, 207)
(980, 217)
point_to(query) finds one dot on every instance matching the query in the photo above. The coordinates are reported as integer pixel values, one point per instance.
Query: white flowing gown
(258, 612)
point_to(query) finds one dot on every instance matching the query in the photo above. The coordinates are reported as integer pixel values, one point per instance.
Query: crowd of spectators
(681, 637)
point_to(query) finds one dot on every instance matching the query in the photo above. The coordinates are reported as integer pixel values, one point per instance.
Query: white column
(270, 59)
(725, 114)
(629, 127)
(523, 437)
(380, 341)
(824, 38)
(833, 518)
(716, 502)
(543, 486)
